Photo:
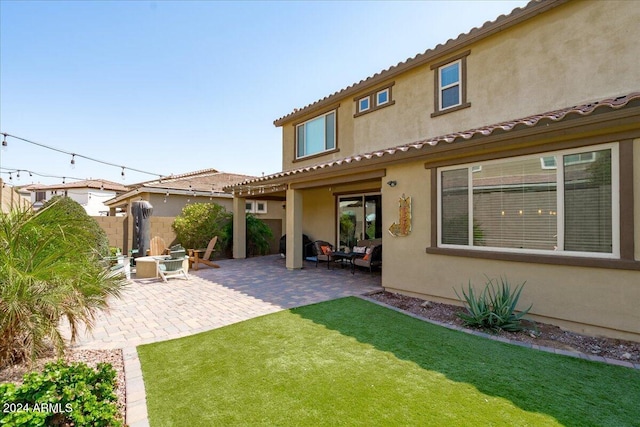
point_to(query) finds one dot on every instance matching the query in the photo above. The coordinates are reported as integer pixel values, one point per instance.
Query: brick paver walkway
(151, 310)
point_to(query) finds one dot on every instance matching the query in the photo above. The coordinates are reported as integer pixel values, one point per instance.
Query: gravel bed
(537, 333)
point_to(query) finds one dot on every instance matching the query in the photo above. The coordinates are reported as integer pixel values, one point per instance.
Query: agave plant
(50, 269)
(495, 307)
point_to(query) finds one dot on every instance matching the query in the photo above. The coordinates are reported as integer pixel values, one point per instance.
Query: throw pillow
(359, 249)
(367, 256)
(326, 250)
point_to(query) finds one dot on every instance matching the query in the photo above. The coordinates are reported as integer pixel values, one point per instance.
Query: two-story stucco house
(518, 144)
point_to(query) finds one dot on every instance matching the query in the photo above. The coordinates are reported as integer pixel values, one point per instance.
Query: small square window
(363, 104)
(248, 207)
(374, 100)
(382, 97)
(261, 207)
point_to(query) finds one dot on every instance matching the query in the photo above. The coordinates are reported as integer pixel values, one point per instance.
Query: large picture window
(524, 205)
(316, 135)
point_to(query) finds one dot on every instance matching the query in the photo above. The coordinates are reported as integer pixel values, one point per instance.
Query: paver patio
(151, 310)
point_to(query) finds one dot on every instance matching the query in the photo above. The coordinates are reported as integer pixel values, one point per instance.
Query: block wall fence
(119, 230)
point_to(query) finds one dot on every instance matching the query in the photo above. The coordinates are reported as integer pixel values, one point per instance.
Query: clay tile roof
(529, 121)
(88, 183)
(533, 8)
(202, 180)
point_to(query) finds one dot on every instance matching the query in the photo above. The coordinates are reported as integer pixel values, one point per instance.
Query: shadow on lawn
(573, 391)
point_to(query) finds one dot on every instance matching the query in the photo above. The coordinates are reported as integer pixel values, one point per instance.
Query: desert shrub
(62, 394)
(495, 307)
(258, 237)
(50, 269)
(199, 222)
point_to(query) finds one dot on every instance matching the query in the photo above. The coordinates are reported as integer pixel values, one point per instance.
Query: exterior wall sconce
(392, 183)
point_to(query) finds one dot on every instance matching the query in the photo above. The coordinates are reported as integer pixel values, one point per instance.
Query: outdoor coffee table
(340, 256)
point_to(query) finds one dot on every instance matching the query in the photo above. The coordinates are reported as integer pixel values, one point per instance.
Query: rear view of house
(517, 146)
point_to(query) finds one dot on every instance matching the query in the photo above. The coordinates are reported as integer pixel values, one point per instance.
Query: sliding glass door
(359, 218)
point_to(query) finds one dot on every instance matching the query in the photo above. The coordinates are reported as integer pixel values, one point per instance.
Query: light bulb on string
(10, 177)
(63, 178)
(122, 173)
(4, 142)
(73, 161)
(18, 175)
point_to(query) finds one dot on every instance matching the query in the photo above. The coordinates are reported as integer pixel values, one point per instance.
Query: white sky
(178, 86)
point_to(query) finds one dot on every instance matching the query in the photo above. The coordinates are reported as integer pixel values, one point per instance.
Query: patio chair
(157, 246)
(172, 266)
(323, 252)
(371, 258)
(195, 257)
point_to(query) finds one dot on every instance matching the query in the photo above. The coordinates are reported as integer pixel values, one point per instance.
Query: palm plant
(50, 270)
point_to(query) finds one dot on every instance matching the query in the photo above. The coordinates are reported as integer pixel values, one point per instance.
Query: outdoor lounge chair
(157, 246)
(172, 266)
(371, 259)
(201, 256)
(323, 251)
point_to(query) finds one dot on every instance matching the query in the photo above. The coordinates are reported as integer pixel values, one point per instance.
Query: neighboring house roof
(562, 115)
(503, 22)
(207, 182)
(98, 184)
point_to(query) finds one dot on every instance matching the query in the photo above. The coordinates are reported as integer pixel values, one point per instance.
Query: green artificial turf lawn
(351, 362)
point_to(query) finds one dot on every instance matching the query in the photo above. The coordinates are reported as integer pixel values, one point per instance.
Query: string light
(32, 173)
(73, 161)
(73, 155)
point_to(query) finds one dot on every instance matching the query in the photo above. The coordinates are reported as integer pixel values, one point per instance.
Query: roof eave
(501, 23)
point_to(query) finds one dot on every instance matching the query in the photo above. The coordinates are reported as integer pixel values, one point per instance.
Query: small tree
(49, 269)
(199, 222)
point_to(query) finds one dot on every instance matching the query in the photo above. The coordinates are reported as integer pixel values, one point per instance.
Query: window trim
(386, 91)
(616, 221)
(253, 208)
(372, 95)
(323, 113)
(360, 101)
(437, 67)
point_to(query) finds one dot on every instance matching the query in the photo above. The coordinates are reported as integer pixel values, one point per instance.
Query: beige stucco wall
(575, 53)
(175, 203)
(588, 300)
(636, 196)
(319, 208)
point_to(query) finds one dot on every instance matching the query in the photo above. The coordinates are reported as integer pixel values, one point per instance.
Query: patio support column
(294, 229)
(239, 228)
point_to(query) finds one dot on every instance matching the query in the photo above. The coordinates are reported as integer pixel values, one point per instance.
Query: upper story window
(450, 84)
(316, 135)
(374, 100)
(382, 97)
(521, 205)
(363, 104)
(41, 196)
